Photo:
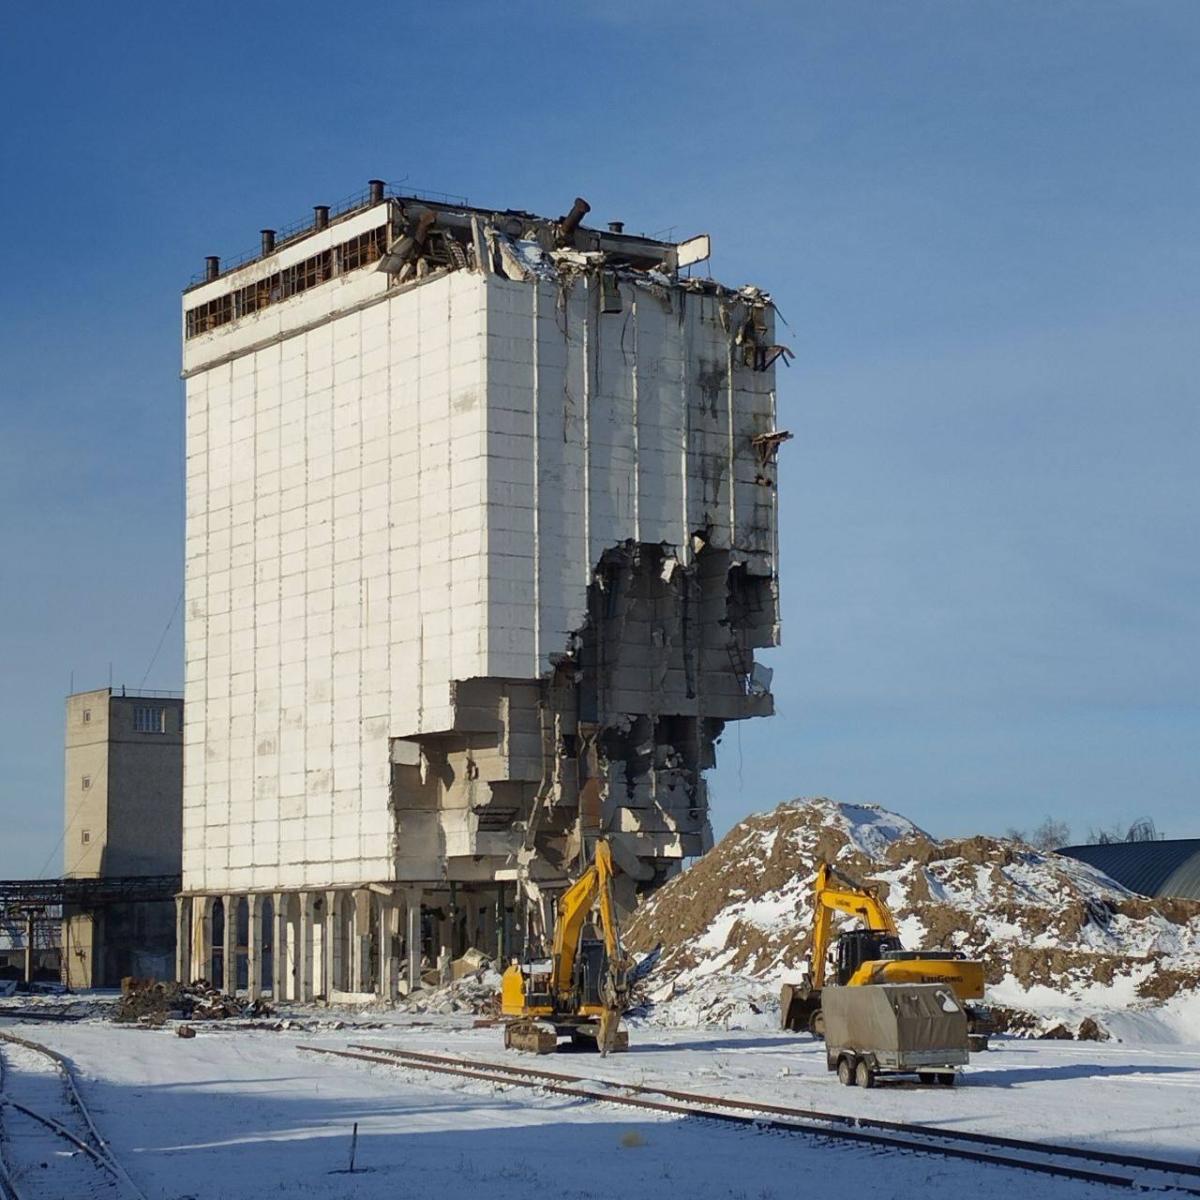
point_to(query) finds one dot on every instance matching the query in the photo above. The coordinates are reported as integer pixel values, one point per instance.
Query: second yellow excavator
(583, 987)
(873, 954)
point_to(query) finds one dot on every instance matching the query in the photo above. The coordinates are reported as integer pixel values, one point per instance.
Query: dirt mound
(1045, 926)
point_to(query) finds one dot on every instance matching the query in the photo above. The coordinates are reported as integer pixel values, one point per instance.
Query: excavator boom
(850, 898)
(574, 907)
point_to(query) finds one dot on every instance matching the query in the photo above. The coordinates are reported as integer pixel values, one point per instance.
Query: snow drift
(1060, 941)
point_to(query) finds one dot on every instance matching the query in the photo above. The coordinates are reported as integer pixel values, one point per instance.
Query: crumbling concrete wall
(631, 571)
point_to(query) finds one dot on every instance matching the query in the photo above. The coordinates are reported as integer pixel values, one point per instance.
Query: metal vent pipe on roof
(376, 186)
(212, 268)
(616, 227)
(268, 241)
(321, 216)
(579, 210)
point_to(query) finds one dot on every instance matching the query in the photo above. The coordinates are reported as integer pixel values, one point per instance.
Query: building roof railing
(348, 204)
(127, 693)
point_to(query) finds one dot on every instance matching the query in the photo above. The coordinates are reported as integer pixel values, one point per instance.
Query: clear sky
(978, 218)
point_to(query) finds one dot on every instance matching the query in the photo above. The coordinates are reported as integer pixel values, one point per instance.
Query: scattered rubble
(1055, 934)
(152, 1002)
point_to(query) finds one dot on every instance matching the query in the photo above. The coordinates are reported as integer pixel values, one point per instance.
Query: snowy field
(239, 1113)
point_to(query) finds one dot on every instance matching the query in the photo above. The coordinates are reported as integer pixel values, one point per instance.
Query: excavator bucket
(610, 1037)
(799, 1008)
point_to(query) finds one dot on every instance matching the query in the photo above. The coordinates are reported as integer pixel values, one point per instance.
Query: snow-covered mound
(1057, 936)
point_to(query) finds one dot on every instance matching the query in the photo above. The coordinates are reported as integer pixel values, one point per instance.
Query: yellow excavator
(582, 989)
(873, 954)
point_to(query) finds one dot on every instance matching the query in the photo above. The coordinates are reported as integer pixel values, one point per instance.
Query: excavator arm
(851, 898)
(574, 908)
(820, 940)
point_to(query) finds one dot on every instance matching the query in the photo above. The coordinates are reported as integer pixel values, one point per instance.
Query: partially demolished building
(481, 539)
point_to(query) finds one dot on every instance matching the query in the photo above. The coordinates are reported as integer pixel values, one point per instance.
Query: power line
(162, 639)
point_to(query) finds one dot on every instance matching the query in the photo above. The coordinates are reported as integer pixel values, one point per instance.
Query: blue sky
(978, 219)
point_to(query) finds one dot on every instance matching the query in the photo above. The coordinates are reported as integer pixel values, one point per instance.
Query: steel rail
(8, 1189)
(58, 1127)
(920, 1139)
(101, 1153)
(1107, 1157)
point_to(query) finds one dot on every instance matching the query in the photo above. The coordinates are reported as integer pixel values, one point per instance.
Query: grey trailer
(894, 1029)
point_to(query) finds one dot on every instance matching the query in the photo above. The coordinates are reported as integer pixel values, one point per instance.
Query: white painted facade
(394, 489)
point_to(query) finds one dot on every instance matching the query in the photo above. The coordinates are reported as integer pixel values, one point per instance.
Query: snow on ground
(239, 1113)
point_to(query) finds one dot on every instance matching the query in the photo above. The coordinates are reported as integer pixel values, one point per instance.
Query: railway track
(50, 1147)
(1067, 1162)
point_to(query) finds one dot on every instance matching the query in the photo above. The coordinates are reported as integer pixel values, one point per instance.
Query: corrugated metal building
(1161, 868)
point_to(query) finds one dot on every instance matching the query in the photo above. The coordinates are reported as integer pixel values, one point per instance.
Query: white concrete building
(481, 537)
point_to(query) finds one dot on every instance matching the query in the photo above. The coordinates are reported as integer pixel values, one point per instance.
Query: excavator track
(541, 1037)
(534, 1037)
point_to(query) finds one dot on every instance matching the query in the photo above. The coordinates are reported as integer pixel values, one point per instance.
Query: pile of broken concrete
(153, 1002)
(1067, 951)
(476, 993)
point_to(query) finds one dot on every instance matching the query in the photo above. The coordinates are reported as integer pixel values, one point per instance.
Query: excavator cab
(589, 969)
(857, 946)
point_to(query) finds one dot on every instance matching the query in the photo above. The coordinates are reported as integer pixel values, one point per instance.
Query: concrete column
(360, 957)
(385, 985)
(254, 946)
(183, 939)
(331, 973)
(229, 945)
(413, 936)
(280, 975)
(487, 927)
(202, 955)
(474, 923)
(304, 949)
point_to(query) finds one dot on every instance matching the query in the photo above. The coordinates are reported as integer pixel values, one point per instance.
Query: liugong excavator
(583, 988)
(873, 954)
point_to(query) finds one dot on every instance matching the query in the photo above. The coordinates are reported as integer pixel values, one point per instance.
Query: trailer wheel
(845, 1071)
(946, 1079)
(926, 1077)
(863, 1075)
(816, 1025)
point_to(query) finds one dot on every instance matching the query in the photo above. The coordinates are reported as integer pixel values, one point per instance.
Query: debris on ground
(477, 992)
(153, 1002)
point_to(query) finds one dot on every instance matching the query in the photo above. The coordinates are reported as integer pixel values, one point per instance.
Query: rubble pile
(477, 993)
(1063, 945)
(153, 1002)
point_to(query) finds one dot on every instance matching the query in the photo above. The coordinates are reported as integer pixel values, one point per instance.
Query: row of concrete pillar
(321, 942)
